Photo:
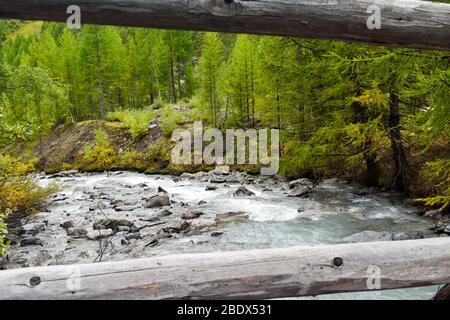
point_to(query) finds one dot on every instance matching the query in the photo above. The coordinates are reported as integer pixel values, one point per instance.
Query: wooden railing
(269, 273)
(407, 23)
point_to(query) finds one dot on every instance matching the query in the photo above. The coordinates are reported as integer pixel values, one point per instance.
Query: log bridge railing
(268, 273)
(271, 273)
(407, 23)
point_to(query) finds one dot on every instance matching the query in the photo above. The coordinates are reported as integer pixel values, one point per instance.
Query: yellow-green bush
(157, 150)
(19, 195)
(170, 118)
(132, 160)
(101, 156)
(137, 121)
(438, 175)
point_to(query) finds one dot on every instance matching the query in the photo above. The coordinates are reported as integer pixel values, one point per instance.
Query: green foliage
(100, 156)
(137, 121)
(157, 150)
(439, 173)
(170, 119)
(20, 196)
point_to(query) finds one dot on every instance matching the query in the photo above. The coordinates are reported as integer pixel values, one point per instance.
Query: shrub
(132, 159)
(170, 118)
(136, 121)
(20, 196)
(157, 150)
(438, 173)
(101, 156)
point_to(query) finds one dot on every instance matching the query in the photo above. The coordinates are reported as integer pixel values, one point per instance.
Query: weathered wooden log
(407, 23)
(271, 273)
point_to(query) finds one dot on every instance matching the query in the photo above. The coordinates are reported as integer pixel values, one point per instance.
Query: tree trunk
(101, 106)
(398, 151)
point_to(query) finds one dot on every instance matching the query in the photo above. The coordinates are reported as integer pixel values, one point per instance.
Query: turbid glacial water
(334, 212)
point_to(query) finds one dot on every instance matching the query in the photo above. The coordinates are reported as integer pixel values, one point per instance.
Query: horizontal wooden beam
(406, 23)
(271, 273)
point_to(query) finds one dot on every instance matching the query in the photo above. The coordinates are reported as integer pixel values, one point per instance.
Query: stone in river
(231, 216)
(31, 242)
(99, 234)
(191, 215)
(157, 201)
(76, 232)
(243, 192)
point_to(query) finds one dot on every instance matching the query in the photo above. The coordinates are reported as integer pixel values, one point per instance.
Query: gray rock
(126, 208)
(123, 229)
(67, 225)
(31, 242)
(217, 179)
(231, 216)
(164, 213)
(63, 174)
(191, 215)
(243, 192)
(99, 234)
(177, 227)
(433, 214)
(447, 229)
(157, 201)
(76, 232)
(161, 190)
(301, 183)
(187, 175)
(33, 228)
(300, 192)
(211, 187)
(221, 170)
(201, 224)
(133, 236)
(112, 224)
(368, 236)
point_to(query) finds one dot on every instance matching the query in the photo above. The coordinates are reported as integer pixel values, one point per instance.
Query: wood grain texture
(406, 23)
(269, 273)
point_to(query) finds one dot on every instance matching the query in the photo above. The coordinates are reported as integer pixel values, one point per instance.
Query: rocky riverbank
(121, 215)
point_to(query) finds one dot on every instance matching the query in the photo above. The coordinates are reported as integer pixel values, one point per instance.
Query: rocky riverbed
(122, 215)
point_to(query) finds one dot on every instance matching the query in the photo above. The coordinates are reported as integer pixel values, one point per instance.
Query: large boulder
(232, 216)
(157, 201)
(243, 192)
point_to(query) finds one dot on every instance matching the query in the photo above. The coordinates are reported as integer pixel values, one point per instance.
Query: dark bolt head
(35, 281)
(338, 262)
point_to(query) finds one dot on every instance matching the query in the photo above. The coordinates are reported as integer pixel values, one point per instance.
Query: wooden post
(271, 273)
(406, 23)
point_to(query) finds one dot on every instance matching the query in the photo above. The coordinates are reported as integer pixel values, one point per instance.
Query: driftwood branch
(271, 273)
(407, 23)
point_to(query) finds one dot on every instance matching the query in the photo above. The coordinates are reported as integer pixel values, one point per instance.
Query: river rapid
(112, 216)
